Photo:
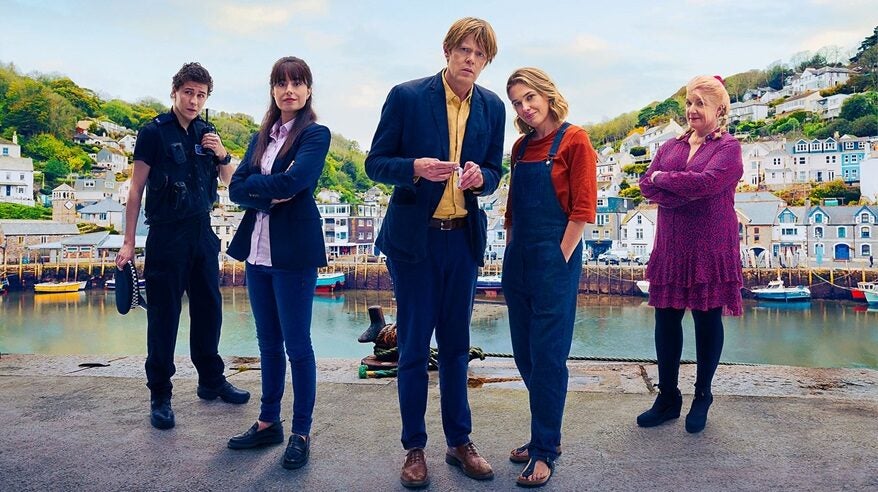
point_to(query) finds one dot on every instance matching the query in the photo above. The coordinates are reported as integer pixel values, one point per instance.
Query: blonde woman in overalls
(553, 194)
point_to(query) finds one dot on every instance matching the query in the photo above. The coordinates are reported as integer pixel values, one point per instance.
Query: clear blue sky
(606, 57)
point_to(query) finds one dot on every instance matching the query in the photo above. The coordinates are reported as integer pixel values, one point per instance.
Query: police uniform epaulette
(163, 118)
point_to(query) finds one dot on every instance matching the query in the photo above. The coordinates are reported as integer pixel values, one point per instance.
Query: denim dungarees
(540, 288)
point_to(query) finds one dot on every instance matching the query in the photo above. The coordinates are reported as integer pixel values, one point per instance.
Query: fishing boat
(643, 285)
(871, 297)
(776, 291)
(859, 294)
(50, 287)
(489, 283)
(330, 282)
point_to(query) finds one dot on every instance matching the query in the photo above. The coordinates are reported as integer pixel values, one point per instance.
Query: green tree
(28, 107)
(835, 189)
(83, 99)
(16, 211)
(632, 192)
(865, 126)
(859, 105)
(55, 168)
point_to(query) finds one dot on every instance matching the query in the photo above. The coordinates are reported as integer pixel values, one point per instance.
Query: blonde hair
(713, 91)
(538, 80)
(482, 32)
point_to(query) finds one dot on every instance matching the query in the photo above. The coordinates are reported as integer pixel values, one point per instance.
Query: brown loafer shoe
(414, 470)
(467, 457)
(521, 455)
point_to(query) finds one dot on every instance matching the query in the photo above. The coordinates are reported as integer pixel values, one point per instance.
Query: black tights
(669, 345)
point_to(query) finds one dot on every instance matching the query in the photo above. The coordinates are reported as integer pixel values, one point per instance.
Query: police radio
(208, 128)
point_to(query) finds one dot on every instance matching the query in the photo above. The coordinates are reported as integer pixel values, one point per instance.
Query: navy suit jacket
(295, 232)
(414, 124)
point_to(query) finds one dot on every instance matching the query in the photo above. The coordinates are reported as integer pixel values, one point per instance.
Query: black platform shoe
(696, 419)
(666, 407)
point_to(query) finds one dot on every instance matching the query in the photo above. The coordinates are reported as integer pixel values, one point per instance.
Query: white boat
(111, 284)
(45, 287)
(871, 297)
(776, 291)
(643, 285)
(489, 282)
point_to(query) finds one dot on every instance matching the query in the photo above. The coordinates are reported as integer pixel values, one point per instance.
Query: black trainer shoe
(161, 415)
(296, 454)
(226, 391)
(666, 407)
(697, 417)
(273, 434)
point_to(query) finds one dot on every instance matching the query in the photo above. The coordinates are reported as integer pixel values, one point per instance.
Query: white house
(752, 110)
(869, 177)
(94, 189)
(112, 160)
(127, 143)
(106, 212)
(16, 174)
(777, 169)
(830, 107)
(807, 101)
(815, 79)
(815, 160)
(638, 230)
(654, 137)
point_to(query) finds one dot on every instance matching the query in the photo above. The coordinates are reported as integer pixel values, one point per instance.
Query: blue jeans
(281, 301)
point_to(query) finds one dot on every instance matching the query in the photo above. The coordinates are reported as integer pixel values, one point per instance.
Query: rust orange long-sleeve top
(574, 173)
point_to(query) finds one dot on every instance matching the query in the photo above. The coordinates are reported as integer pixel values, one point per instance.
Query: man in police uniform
(178, 159)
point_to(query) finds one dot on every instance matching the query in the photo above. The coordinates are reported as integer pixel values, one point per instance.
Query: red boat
(859, 294)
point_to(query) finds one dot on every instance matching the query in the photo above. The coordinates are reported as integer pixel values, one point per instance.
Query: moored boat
(111, 284)
(859, 294)
(871, 297)
(489, 283)
(643, 285)
(330, 282)
(48, 287)
(776, 291)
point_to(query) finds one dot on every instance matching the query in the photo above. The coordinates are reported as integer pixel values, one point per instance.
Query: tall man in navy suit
(440, 143)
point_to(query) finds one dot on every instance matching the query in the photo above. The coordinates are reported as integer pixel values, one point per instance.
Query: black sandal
(523, 479)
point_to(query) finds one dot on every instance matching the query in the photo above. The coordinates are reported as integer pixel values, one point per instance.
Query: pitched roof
(15, 227)
(104, 206)
(16, 163)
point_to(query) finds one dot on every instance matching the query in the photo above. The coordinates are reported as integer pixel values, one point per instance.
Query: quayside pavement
(67, 427)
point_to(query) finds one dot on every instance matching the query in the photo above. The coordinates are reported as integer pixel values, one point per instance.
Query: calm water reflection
(816, 334)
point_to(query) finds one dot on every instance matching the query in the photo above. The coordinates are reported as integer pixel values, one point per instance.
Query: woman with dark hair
(695, 263)
(552, 195)
(281, 240)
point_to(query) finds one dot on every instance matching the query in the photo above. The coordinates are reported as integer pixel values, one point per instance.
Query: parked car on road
(608, 259)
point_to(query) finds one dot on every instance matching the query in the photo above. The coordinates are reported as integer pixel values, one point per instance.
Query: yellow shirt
(452, 205)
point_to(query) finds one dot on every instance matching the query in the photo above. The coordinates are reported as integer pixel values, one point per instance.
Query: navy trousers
(435, 295)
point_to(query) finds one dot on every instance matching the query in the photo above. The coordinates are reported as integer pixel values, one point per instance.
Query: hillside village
(87, 212)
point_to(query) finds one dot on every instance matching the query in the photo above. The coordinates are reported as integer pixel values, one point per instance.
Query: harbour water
(812, 334)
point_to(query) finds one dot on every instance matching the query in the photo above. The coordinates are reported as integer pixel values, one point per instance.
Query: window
(819, 176)
(624, 233)
(818, 218)
(595, 234)
(500, 235)
(801, 147)
(864, 218)
(818, 232)
(361, 236)
(639, 219)
(865, 232)
(787, 217)
(802, 161)
(21, 177)
(788, 231)
(5, 150)
(603, 219)
(842, 232)
(638, 233)
(607, 234)
(368, 235)
(369, 223)
(88, 184)
(866, 250)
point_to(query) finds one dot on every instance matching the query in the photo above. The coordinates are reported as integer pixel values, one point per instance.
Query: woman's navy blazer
(295, 231)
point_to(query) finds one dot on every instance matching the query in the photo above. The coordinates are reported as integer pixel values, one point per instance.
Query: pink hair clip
(721, 81)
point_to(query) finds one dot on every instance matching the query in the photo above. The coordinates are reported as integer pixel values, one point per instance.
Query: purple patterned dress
(695, 262)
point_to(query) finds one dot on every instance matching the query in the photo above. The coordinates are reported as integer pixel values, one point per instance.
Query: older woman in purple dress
(695, 263)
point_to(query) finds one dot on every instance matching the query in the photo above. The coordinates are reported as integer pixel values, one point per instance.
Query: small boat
(111, 284)
(872, 297)
(48, 287)
(329, 282)
(643, 285)
(493, 283)
(776, 291)
(859, 294)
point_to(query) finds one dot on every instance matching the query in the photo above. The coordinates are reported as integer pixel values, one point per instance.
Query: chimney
(15, 137)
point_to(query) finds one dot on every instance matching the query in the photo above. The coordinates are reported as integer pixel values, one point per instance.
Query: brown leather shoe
(414, 470)
(467, 457)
